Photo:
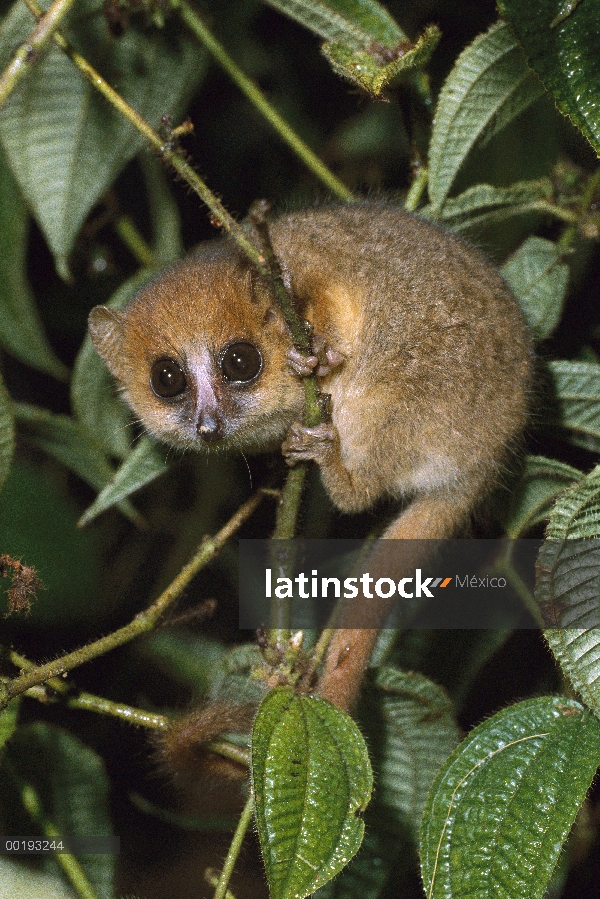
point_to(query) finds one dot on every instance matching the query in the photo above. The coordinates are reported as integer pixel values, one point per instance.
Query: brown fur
(432, 392)
(182, 749)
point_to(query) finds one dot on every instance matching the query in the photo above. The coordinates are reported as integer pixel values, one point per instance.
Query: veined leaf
(488, 87)
(577, 388)
(419, 733)
(21, 332)
(369, 70)
(354, 23)
(362, 41)
(505, 801)
(7, 433)
(564, 50)
(567, 589)
(410, 726)
(141, 466)
(311, 779)
(65, 144)
(484, 204)
(539, 280)
(542, 480)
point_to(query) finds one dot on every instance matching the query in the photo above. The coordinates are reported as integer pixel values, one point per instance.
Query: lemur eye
(240, 362)
(167, 378)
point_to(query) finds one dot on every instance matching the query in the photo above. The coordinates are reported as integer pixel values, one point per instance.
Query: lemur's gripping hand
(324, 359)
(316, 444)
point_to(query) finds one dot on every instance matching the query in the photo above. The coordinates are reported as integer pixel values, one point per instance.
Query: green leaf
(577, 389)
(567, 585)
(362, 41)
(21, 332)
(484, 204)
(505, 801)
(488, 87)
(419, 733)
(68, 441)
(564, 50)
(72, 786)
(103, 415)
(355, 23)
(65, 143)
(143, 465)
(7, 433)
(410, 727)
(539, 280)
(311, 779)
(22, 881)
(8, 720)
(369, 70)
(542, 480)
(577, 650)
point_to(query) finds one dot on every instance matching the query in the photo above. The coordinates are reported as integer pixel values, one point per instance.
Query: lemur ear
(106, 331)
(262, 296)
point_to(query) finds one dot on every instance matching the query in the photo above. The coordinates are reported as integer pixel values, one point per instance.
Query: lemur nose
(209, 428)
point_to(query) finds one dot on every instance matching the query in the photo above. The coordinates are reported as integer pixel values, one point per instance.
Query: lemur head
(200, 353)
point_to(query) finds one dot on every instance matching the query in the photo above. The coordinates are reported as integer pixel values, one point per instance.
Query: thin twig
(256, 97)
(234, 849)
(168, 154)
(66, 860)
(144, 621)
(29, 51)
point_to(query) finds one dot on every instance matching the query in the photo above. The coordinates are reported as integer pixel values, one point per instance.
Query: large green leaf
(577, 389)
(21, 332)
(506, 799)
(363, 43)
(488, 87)
(539, 280)
(143, 465)
(564, 50)
(65, 144)
(68, 441)
(7, 433)
(72, 786)
(419, 733)
(311, 780)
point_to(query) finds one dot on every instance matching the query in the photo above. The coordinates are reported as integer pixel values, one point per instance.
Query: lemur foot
(304, 444)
